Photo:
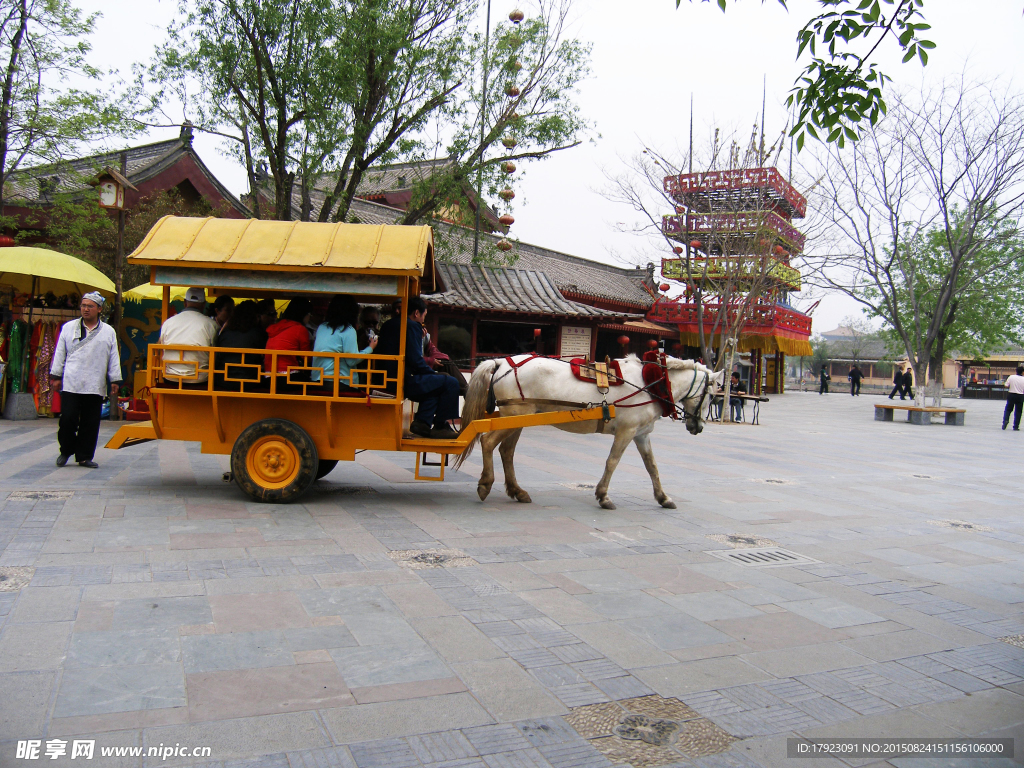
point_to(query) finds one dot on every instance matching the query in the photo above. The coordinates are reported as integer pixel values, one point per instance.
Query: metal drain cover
(762, 557)
(741, 541)
(13, 579)
(648, 729)
(418, 559)
(40, 495)
(959, 525)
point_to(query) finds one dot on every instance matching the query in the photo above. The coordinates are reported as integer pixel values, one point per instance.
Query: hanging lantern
(6, 241)
(664, 287)
(504, 245)
(680, 210)
(623, 340)
(677, 347)
(536, 333)
(508, 167)
(509, 142)
(652, 343)
(696, 244)
(507, 220)
(516, 16)
(517, 65)
(506, 194)
(677, 250)
(512, 91)
(779, 250)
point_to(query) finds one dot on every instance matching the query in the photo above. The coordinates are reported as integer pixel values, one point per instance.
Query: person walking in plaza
(825, 378)
(897, 383)
(1014, 398)
(855, 376)
(908, 382)
(85, 360)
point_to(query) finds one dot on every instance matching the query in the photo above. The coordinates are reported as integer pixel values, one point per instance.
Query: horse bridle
(700, 403)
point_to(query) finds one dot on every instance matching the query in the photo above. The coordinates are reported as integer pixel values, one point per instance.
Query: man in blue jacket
(437, 393)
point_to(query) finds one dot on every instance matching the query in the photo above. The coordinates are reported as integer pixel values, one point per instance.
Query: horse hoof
(523, 497)
(668, 504)
(606, 504)
(482, 491)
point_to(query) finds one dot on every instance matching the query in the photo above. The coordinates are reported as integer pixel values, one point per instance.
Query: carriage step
(423, 461)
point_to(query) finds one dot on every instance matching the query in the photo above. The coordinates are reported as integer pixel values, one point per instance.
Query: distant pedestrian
(825, 378)
(897, 383)
(855, 376)
(1014, 398)
(908, 382)
(86, 359)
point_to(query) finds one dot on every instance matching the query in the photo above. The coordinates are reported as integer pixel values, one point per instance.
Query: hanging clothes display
(19, 331)
(44, 337)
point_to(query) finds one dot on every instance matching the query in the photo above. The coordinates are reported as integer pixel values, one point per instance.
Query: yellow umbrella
(51, 271)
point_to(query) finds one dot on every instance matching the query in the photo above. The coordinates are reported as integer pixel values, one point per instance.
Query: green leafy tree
(322, 90)
(841, 88)
(987, 310)
(44, 116)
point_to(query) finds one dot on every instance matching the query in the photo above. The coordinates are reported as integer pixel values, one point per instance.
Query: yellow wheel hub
(273, 462)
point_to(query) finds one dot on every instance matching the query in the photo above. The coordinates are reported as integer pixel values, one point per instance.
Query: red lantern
(504, 245)
(508, 167)
(6, 241)
(664, 287)
(516, 16)
(512, 91)
(623, 340)
(696, 244)
(677, 347)
(536, 333)
(779, 250)
(507, 220)
(506, 194)
(677, 250)
(652, 344)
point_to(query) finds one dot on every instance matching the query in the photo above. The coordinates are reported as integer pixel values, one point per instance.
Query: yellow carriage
(283, 430)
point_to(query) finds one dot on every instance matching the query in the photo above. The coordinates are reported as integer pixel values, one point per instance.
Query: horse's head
(692, 384)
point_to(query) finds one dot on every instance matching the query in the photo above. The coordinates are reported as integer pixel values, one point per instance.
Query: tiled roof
(71, 176)
(506, 289)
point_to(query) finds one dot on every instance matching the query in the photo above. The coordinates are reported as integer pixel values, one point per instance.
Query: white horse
(541, 384)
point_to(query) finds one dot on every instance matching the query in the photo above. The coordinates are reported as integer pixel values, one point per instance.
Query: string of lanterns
(509, 141)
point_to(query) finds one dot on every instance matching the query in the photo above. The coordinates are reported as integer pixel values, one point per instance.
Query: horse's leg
(622, 439)
(507, 450)
(487, 444)
(643, 444)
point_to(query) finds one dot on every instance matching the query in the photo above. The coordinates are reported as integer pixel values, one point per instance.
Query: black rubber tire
(326, 467)
(275, 433)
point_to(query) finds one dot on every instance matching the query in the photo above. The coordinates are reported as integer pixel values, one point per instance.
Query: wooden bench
(916, 415)
(755, 399)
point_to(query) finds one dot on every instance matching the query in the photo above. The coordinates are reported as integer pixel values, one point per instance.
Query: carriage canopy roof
(191, 251)
(273, 245)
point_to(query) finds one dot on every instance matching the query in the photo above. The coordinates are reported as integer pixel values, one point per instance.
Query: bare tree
(951, 160)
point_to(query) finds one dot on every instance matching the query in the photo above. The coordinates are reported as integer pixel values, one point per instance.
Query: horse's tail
(475, 407)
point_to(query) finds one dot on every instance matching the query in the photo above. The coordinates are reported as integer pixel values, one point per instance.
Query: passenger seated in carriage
(338, 334)
(437, 393)
(242, 331)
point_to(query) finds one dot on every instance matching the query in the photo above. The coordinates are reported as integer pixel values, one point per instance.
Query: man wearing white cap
(86, 358)
(190, 327)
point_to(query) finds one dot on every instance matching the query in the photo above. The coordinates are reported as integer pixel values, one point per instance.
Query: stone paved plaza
(148, 603)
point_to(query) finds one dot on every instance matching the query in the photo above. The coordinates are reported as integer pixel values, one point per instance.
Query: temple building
(736, 240)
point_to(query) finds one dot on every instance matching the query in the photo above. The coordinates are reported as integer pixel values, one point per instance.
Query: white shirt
(86, 364)
(1015, 384)
(192, 328)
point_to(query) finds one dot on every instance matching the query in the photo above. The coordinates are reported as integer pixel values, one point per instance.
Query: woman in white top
(338, 334)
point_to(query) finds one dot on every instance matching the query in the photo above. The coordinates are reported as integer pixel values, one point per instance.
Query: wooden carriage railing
(250, 377)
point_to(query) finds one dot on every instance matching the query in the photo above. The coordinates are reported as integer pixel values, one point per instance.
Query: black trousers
(1015, 403)
(898, 389)
(855, 387)
(823, 388)
(79, 424)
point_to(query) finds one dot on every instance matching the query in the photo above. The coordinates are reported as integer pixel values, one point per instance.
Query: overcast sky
(648, 58)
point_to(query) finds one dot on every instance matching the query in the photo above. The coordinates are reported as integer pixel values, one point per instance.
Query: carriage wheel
(274, 460)
(326, 467)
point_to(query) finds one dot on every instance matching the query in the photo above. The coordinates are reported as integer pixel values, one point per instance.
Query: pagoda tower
(735, 228)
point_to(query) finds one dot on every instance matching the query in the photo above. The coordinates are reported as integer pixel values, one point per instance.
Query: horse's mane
(676, 363)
